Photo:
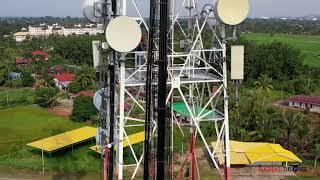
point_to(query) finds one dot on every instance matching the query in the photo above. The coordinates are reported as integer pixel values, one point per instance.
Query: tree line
(289, 26)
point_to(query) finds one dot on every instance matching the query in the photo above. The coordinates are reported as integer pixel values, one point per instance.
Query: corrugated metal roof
(181, 108)
(65, 77)
(131, 139)
(59, 141)
(253, 152)
(22, 34)
(305, 99)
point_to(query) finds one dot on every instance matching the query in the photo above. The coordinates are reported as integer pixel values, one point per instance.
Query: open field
(25, 124)
(15, 97)
(21, 125)
(309, 45)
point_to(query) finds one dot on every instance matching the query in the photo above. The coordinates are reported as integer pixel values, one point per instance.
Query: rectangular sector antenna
(237, 62)
(96, 53)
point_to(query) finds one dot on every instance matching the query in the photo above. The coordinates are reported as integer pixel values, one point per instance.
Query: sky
(259, 8)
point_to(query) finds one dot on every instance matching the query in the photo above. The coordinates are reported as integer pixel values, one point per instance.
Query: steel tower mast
(162, 124)
(196, 77)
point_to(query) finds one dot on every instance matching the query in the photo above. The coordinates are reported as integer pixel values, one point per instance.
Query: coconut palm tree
(85, 80)
(292, 122)
(85, 76)
(264, 83)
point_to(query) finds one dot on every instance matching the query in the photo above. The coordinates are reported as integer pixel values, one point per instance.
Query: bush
(75, 87)
(15, 83)
(26, 79)
(3, 74)
(83, 109)
(46, 97)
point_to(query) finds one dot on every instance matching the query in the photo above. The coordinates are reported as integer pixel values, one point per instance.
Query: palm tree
(85, 76)
(85, 80)
(46, 97)
(264, 83)
(292, 121)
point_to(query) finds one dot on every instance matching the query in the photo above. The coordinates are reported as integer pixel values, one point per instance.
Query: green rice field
(309, 45)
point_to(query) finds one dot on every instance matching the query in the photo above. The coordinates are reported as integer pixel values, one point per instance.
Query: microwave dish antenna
(232, 12)
(93, 10)
(98, 98)
(123, 34)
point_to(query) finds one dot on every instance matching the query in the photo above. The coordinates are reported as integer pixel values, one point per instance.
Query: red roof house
(305, 102)
(22, 60)
(57, 68)
(63, 80)
(45, 56)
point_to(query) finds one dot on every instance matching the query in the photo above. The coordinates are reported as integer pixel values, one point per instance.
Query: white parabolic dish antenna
(92, 10)
(97, 99)
(123, 34)
(232, 12)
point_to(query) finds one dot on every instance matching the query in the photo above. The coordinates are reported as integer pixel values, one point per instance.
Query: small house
(63, 80)
(311, 103)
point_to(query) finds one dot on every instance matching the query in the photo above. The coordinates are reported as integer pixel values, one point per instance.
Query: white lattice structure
(196, 76)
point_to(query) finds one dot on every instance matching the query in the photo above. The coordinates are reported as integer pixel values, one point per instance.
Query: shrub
(26, 79)
(15, 83)
(83, 109)
(75, 87)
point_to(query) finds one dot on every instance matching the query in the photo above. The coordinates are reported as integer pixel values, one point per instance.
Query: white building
(47, 30)
(305, 102)
(21, 36)
(41, 30)
(77, 29)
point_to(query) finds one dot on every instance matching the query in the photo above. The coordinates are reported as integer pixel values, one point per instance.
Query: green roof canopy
(181, 108)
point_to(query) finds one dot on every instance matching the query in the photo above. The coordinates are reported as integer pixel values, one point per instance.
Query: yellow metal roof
(238, 158)
(133, 139)
(59, 141)
(251, 152)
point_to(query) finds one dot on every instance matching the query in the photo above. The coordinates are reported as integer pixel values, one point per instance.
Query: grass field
(309, 45)
(22, 125)
(16, 97)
